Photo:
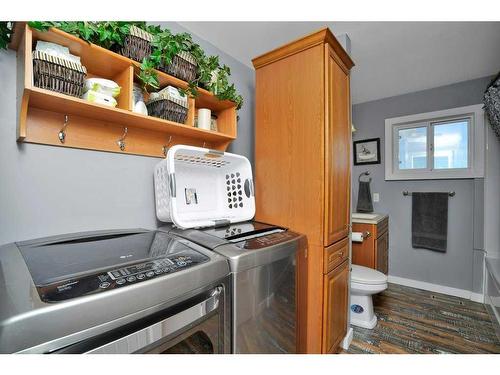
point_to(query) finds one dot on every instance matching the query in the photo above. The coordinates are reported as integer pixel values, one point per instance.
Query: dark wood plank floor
(417, 321)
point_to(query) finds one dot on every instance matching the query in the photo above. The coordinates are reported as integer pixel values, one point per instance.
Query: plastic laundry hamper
(197, 187)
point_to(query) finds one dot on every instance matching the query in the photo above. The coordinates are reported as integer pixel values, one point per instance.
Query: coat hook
(165, 147)
(62, 132)
(121, 141)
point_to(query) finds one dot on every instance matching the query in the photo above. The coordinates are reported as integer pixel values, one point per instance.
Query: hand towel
(364, 197)
(429, 221)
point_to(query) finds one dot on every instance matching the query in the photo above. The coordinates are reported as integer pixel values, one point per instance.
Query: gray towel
(429, 221)
(364, 197)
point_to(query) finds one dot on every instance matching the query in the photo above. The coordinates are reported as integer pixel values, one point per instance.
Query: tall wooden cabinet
(302, 173)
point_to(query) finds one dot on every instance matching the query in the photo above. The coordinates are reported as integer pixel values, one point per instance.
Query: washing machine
(263, 267)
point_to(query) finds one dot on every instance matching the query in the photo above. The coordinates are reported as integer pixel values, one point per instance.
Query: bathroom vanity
(373, 252)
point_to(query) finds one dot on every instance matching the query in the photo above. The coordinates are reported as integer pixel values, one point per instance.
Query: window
(433, 145)
(450, 143)
(443, 144)
(412, 145)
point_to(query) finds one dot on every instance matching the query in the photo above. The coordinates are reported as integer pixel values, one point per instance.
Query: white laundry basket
(197, 187)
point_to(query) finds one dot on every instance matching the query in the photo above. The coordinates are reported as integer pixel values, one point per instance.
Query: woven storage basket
(56, 74)
(137, 45)
(491, 101)
(168, 107)
(183, 66)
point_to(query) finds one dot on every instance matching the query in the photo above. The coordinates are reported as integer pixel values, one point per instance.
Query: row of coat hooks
(120, 142)
(407, 193)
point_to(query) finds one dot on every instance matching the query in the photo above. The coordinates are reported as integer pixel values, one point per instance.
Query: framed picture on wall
(367, 151)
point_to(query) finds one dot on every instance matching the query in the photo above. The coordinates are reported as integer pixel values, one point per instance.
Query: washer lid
(246, 245)
(73, 256)
(365, 275)
(245, 235)
(241, 231)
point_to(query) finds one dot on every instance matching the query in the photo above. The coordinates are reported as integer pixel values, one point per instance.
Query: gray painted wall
(459, 267)
(49, 190)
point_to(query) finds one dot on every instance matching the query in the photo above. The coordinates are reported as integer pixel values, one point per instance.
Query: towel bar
(450, 193)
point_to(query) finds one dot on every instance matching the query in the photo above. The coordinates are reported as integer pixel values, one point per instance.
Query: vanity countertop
(365, 218)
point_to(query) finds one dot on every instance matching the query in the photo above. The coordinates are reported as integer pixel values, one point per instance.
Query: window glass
(412, 148)
(451, 144)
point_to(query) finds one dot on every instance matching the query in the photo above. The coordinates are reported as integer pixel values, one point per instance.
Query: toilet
(365, 282)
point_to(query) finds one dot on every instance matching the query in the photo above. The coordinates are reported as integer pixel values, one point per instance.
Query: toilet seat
(365, 275)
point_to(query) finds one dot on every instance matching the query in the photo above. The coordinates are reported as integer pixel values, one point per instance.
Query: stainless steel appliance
(134, 291)
(263, 266)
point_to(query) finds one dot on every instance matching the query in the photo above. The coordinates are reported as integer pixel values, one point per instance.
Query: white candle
(204, 115)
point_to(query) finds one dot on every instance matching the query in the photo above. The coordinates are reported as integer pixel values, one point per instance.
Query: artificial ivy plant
(5, 33)
(111, 35)
(107, 34)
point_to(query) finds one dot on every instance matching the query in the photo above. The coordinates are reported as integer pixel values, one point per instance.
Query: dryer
(263, 267)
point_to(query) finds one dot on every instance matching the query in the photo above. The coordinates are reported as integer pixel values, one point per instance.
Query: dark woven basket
(183, 66)
(57, 74)
(167, 110)
(137, 45)
(491, 101)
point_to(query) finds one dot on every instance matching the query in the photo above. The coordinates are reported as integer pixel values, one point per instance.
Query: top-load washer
(124, 291)
(262, 259)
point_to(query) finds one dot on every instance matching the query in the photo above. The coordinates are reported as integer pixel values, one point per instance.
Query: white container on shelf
(103, 86)
(99, 98)
(197, 187)
(204, 118)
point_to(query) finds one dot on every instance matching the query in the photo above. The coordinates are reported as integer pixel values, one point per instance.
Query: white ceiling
(392, 58)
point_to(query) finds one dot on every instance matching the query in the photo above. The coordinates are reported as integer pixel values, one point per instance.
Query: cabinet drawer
(336, 254)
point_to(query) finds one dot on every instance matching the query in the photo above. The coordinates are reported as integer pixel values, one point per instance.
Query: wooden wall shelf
(97, 127)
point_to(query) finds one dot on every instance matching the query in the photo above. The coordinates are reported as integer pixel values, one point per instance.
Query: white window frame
(475, 144)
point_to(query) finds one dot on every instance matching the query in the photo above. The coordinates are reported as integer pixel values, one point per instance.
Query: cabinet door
(383, 252)
(363, 253)
(337, 149)
(335, 295)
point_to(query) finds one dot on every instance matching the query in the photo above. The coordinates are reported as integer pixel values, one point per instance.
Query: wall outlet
(376, 197)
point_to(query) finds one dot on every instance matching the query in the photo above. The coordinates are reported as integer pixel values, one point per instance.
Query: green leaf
(5, 33)
(39, 25)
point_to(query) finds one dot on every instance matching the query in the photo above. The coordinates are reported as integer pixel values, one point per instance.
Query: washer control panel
(147, 270)
(266, 240)
(120, 277)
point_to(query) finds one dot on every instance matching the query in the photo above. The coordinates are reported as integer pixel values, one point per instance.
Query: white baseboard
(476, 297)
(467, 294)
(346, 342)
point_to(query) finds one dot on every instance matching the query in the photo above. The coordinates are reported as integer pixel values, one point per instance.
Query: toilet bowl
(365, 282)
